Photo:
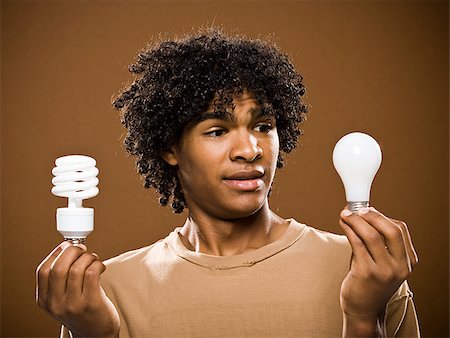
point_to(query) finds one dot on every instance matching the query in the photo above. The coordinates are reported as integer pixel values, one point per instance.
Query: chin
(241, 208)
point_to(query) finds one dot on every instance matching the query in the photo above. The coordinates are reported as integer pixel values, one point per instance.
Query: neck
(223, 237)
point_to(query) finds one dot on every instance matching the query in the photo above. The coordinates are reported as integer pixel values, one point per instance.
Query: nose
(246, 148)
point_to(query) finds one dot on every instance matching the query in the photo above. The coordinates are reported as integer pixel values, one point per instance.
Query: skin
(229, 217)
(224, 220)
(383, 258)
(68, 288)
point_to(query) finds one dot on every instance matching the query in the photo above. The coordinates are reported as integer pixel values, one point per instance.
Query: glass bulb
(357, 158)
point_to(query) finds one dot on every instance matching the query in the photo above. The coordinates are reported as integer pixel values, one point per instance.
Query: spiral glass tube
(76, 179)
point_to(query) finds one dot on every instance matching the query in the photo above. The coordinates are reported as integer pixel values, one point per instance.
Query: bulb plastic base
(355, 206)
(75, 223)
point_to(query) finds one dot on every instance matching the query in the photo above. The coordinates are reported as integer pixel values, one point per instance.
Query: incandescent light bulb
(76, 179)
(356, 158)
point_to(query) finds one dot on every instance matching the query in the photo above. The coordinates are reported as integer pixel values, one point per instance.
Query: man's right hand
(68, 288)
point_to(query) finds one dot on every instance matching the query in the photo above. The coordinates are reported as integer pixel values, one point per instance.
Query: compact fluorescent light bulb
(357, 158)
(76, 179)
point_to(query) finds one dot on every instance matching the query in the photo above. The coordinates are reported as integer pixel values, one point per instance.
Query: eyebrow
(256, 113)
(216, 115)
(259, 112)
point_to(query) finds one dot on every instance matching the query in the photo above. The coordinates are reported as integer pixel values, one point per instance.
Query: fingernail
(363, 211)
(373, 209)
(346, 212)
(64, 245)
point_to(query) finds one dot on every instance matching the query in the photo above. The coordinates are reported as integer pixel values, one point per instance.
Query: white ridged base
(75, 224)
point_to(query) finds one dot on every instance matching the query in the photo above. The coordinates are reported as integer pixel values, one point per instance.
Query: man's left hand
(383, 258)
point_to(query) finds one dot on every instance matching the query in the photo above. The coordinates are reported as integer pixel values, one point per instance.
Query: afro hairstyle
(177, 79)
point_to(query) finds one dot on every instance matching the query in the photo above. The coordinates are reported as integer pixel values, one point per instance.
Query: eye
(215, 133)
(264, 127)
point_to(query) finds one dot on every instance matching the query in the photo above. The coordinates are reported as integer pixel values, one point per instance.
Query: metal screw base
(355, 206)
(75, 240)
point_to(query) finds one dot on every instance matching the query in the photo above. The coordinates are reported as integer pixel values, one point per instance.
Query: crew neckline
(292, 234)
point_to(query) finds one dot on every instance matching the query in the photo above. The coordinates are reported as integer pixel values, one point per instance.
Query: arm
(68, 288)
(383, 258)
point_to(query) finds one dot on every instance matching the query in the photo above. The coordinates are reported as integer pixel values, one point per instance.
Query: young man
(209, 118)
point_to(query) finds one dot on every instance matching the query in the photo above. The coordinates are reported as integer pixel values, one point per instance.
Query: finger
(59, 269)
(91, 284)
(360, 252)
(371, 237)
(408, 242)
(43, 271)
(390, 231)
(75, 278)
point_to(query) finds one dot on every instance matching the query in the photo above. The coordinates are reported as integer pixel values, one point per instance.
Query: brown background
(378, 67)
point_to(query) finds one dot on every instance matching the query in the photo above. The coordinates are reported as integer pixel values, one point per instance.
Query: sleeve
(401, 319)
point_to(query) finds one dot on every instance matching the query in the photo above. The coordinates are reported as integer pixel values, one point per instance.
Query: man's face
(227, 161)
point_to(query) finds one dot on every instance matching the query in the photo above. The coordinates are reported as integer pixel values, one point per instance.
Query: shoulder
(131, 263)
(321, 255)
(133, 256)
(318, 239)
(329, 250)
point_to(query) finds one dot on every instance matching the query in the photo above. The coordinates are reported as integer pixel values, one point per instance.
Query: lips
(245, 180)
(245, 175)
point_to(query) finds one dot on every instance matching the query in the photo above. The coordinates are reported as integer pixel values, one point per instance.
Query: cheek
(201, 161)
(274, 146)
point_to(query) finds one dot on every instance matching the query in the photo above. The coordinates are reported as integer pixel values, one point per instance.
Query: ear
(170, 157)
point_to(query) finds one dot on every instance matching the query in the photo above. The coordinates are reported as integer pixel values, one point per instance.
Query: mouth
(245, 180)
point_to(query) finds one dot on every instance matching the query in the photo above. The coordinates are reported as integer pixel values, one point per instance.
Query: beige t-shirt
(288, 288)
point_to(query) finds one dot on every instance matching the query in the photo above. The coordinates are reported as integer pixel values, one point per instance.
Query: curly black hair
(177, 79)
